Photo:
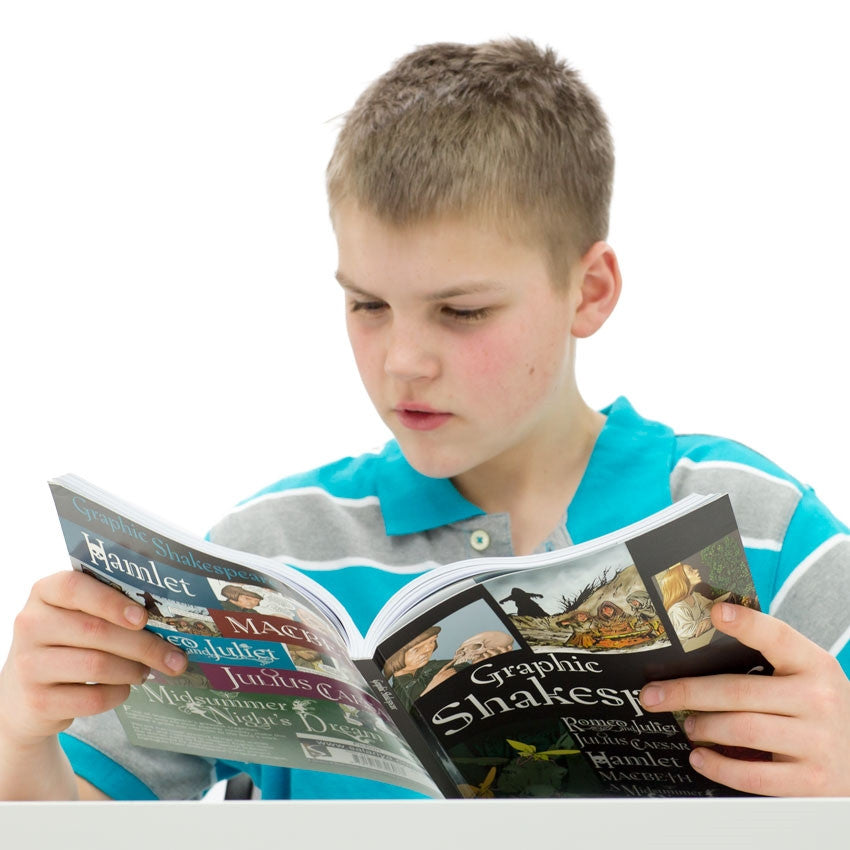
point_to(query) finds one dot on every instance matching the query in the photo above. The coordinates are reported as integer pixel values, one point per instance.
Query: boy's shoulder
(708, 451)
(683, 451)
(780, 518)
(296, 513)
(351, 477)
(630, 439)
(764, 496)
(640, 465)
(407, 501)
(373, 503)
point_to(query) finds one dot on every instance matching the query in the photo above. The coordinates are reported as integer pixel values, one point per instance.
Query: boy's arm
(77, 645)
(87, 791)
(41, 772)
(800, 713)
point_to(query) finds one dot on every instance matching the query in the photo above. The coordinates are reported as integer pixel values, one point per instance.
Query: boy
(469, 194)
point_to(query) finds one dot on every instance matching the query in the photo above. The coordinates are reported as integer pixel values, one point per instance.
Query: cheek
(367, 357)
(521, 365)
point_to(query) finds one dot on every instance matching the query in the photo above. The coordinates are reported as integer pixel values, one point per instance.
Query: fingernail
(175, 661)
(689, 725)
(134, 614)
(651, 696)
(727, 612)
(696, 759)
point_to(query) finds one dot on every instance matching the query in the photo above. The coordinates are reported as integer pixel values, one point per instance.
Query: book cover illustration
(529, 681)
(269, 678)
(488, 677)
(689, 589)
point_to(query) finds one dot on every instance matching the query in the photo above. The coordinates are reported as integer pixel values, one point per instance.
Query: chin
(430, 469)
(436, 464)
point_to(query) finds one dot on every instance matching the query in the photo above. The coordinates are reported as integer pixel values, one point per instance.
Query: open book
(492, 677)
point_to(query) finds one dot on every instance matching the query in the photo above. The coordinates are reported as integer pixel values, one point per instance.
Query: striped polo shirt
(365, 526)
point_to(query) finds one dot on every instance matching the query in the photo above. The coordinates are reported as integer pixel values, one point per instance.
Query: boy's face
(460, 338)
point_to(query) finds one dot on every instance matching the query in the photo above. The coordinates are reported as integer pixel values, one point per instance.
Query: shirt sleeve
(99, 752)
(812, 585)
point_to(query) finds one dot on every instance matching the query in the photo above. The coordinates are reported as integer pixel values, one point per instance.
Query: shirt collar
(412, 502)
(627, 478)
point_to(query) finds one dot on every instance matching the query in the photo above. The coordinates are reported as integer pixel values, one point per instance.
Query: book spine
(425, 747)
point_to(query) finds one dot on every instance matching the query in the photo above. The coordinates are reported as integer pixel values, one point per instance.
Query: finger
(77, 591)
(726, 692)
(766, 778)
(71, 665)
(64, 628)
(70, 701)
(786, 649)
(755, 731)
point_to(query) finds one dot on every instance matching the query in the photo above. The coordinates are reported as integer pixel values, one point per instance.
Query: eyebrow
(345, 283)
(454, 291)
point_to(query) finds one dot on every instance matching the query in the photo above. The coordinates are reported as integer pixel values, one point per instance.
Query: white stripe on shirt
(797, 573)
(734, 465)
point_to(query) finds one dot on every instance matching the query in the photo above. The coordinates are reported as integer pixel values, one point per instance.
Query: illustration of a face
(247, 600)
(692, 574)
(419, 654)
(305, 654)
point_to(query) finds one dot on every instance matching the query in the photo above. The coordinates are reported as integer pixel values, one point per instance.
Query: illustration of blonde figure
(689, 611)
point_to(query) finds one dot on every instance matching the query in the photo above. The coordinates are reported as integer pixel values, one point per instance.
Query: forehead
(443, 252)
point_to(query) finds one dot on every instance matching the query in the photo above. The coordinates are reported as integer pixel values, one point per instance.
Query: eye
(463, 315)
(368, 307)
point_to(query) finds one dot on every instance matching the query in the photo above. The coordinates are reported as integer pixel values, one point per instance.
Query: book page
(270, 679)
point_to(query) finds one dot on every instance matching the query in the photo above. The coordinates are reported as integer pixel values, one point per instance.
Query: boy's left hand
(800, 713)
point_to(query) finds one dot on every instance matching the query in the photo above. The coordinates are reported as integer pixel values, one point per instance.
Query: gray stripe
(763, 506)
(818, 602)
(171, 776)
(313, 527)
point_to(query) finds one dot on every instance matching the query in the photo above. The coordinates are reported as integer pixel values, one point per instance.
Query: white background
(170, 325)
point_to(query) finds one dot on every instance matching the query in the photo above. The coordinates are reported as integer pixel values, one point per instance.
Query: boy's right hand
(77, 646)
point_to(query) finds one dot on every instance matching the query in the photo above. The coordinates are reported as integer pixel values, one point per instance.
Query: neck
(535, 482)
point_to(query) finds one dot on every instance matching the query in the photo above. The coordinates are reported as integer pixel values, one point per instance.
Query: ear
(598, 283)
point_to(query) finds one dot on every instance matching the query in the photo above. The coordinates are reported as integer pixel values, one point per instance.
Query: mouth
(420, 417)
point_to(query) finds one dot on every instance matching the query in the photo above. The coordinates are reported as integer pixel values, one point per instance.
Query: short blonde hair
(503, 131)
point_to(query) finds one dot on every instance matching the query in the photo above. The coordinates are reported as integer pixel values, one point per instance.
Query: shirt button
(479, 540)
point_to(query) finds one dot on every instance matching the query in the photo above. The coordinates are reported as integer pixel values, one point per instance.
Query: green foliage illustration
(728, 568)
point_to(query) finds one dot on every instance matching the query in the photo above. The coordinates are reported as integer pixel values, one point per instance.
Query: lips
(420, 417)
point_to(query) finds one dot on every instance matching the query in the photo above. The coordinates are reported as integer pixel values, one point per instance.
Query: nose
(410, 354)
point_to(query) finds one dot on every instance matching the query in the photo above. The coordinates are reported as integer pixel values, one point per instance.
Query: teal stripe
(844, 658)
(763, 567)
(347, 584)
(811, 526)
(627, 477)
(702, 447)
(105, 774)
